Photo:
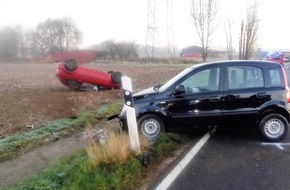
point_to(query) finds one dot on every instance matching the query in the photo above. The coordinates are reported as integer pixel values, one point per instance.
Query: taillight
(286, 86)
(288, 94)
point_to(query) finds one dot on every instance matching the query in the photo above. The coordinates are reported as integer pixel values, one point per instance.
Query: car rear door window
(240, 77)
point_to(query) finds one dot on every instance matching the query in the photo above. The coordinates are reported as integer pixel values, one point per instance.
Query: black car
(228, 93)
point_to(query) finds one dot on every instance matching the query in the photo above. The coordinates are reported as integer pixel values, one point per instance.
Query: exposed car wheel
(89, 87)
(70, 65)
(150, 125)
(74, 84)
(273, 127)
(116, 77)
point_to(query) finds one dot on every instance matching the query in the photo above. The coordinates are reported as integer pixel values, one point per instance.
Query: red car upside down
(80, 78)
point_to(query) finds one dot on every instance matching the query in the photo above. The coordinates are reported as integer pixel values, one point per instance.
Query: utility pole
(150, 42)
(160, 28)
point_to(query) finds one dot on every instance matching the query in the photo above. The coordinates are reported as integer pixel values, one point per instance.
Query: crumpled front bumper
(122, 121)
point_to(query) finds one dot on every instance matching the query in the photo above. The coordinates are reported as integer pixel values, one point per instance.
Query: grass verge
(79, 171)
(22, 142)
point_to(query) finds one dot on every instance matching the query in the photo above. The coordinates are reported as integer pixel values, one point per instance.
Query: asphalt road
(234, 159)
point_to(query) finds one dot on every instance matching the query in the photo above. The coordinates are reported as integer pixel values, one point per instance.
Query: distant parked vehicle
(80, 78)
(275, 56)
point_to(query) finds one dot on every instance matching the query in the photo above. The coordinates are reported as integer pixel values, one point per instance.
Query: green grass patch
(166, 142)
(78, 172)
(23, 142)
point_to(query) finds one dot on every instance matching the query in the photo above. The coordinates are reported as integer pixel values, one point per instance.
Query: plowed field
(30, 93)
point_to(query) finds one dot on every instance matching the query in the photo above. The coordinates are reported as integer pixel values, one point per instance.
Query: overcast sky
(127, 19)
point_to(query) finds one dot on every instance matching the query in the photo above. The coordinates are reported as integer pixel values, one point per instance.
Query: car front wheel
(150, 125)
(273, 127)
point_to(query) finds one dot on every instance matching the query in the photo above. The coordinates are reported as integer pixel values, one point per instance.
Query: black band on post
(128, 98)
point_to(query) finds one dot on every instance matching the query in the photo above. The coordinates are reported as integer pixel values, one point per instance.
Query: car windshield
(176, 78)
(156, 88)
(275, 54)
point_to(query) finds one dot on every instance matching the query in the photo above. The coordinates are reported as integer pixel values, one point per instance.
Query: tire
(150, 125)
(74, 84)
(273, 127)
(70, 65)
(116, 77)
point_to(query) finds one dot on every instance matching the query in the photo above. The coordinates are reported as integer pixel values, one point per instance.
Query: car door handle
(261, 95)
(214, 98)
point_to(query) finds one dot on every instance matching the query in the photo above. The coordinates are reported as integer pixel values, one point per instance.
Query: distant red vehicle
(80, 78)
(275, 56)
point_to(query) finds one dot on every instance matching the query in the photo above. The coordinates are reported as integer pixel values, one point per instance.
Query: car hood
(145, 93)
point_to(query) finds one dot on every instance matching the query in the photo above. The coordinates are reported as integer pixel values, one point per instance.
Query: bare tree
(70, 35)
(24, 37)
(56, 35)
(111, 47)
(229, 37)
(249, 32)
(204, 15)
(126, 49)
(122, 49)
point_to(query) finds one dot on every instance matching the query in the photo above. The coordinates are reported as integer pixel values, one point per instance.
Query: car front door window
(204, 81)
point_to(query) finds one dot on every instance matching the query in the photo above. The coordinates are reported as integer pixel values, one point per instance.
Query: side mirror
(180, 89)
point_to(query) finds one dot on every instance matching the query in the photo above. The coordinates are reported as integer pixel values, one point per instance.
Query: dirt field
(30, 93)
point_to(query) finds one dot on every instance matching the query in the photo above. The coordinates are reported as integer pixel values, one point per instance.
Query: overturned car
(80, 78)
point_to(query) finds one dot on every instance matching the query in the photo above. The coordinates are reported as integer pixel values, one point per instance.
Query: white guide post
(131, 115)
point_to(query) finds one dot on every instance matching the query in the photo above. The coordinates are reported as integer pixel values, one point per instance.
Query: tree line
(59, 35)
(51, 36)
(54, 36)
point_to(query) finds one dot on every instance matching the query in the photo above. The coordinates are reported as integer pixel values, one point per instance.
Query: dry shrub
(116, 148)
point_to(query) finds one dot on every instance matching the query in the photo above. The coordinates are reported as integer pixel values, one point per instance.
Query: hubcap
(150, 128)
(274, 128)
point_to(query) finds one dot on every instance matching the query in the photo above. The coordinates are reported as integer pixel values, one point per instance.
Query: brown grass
(116, 148)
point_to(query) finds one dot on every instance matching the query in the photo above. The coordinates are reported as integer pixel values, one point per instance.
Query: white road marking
(279, 145)
(183, 163)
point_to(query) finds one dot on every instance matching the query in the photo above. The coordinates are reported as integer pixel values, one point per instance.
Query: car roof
(238, 62)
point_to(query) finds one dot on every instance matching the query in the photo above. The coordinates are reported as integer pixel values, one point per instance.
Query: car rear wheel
(150, 125)
(70, 65)
(273, 127)
(116, 77)
(74, 84)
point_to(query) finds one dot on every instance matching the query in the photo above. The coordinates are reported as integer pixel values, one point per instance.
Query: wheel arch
(274, 109)
(155, 111)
